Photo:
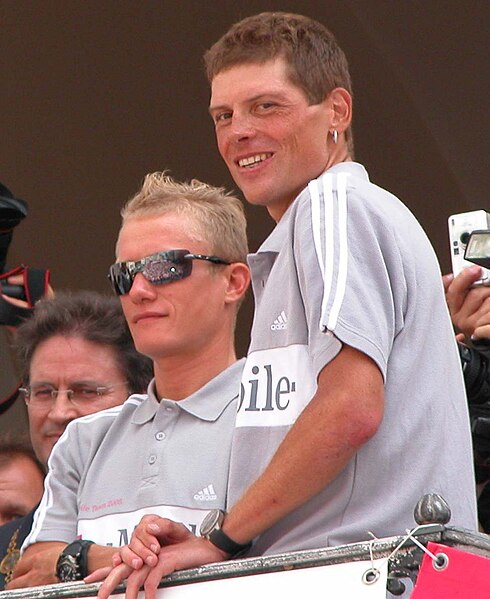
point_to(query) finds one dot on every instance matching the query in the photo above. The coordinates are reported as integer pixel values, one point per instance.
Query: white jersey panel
(276, 386)
(116, 529)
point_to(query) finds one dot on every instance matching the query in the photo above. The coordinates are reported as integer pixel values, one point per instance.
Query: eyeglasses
(42, 396)
(159, 269)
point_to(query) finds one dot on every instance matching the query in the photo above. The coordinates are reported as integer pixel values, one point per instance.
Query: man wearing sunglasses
(181, 276)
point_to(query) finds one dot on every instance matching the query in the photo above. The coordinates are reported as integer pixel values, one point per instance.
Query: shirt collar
(207, 403)
(351, 168)
(276, 239)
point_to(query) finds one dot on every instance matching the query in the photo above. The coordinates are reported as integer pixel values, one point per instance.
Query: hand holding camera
(469, 238)
(468, 305)
(468, 299)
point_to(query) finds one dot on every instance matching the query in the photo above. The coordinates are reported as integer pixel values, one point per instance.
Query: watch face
(212, 521)
(68, 569)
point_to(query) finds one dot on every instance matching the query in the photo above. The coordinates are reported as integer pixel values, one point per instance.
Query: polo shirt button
(152, 459)
(160, 436)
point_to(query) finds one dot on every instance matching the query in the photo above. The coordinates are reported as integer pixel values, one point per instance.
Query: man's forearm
(100, 556)
(345, 412)
(38, 564)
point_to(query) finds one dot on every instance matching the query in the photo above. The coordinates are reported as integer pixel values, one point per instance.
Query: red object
(466, 576)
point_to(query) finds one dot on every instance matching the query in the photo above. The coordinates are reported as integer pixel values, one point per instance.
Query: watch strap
(222, 541)
(78, 550)
(84, 557)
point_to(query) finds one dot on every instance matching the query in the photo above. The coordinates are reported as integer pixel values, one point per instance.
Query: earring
(335, 136)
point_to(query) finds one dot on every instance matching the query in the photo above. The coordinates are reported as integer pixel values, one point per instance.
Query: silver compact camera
(469, 238)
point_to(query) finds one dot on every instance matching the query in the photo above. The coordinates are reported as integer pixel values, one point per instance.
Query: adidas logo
(206, 494)
(280, 323)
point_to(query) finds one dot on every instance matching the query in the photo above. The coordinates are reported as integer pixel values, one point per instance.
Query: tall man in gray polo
(181, 276)
(352, 403)
(367, 366)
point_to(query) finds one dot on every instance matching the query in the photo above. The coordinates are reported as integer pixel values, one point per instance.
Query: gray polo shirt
(349, 264)
(169, 458)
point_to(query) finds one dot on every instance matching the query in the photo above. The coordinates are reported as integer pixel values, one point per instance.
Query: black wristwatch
(72, 563)
(211, 529)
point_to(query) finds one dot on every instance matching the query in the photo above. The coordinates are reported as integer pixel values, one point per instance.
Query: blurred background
(95, 94)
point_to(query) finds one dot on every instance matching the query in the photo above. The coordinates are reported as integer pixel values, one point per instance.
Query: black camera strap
(36, 282)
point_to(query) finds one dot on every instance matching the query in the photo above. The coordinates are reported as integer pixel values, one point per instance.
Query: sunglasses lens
(158, 269)
(120, 278)
(162, 269)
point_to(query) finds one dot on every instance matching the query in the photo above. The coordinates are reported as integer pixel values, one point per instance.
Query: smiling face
(182, 319)
(272, 140)
(62, 363)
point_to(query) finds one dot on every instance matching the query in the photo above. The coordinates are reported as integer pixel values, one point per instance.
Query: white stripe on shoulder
(323, 233)
(98, 415)
(343, 251)
(330, 239)
(316, 218)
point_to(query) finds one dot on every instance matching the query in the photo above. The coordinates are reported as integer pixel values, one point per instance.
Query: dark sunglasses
(159, 268)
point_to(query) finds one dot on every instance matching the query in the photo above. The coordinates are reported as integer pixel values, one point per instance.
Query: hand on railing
(158, 547)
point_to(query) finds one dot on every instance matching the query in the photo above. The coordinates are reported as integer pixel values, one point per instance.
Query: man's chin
(255, 197)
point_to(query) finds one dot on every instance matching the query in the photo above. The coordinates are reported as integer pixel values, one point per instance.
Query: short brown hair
(215, 214)
(315, 61)
(91, 316)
